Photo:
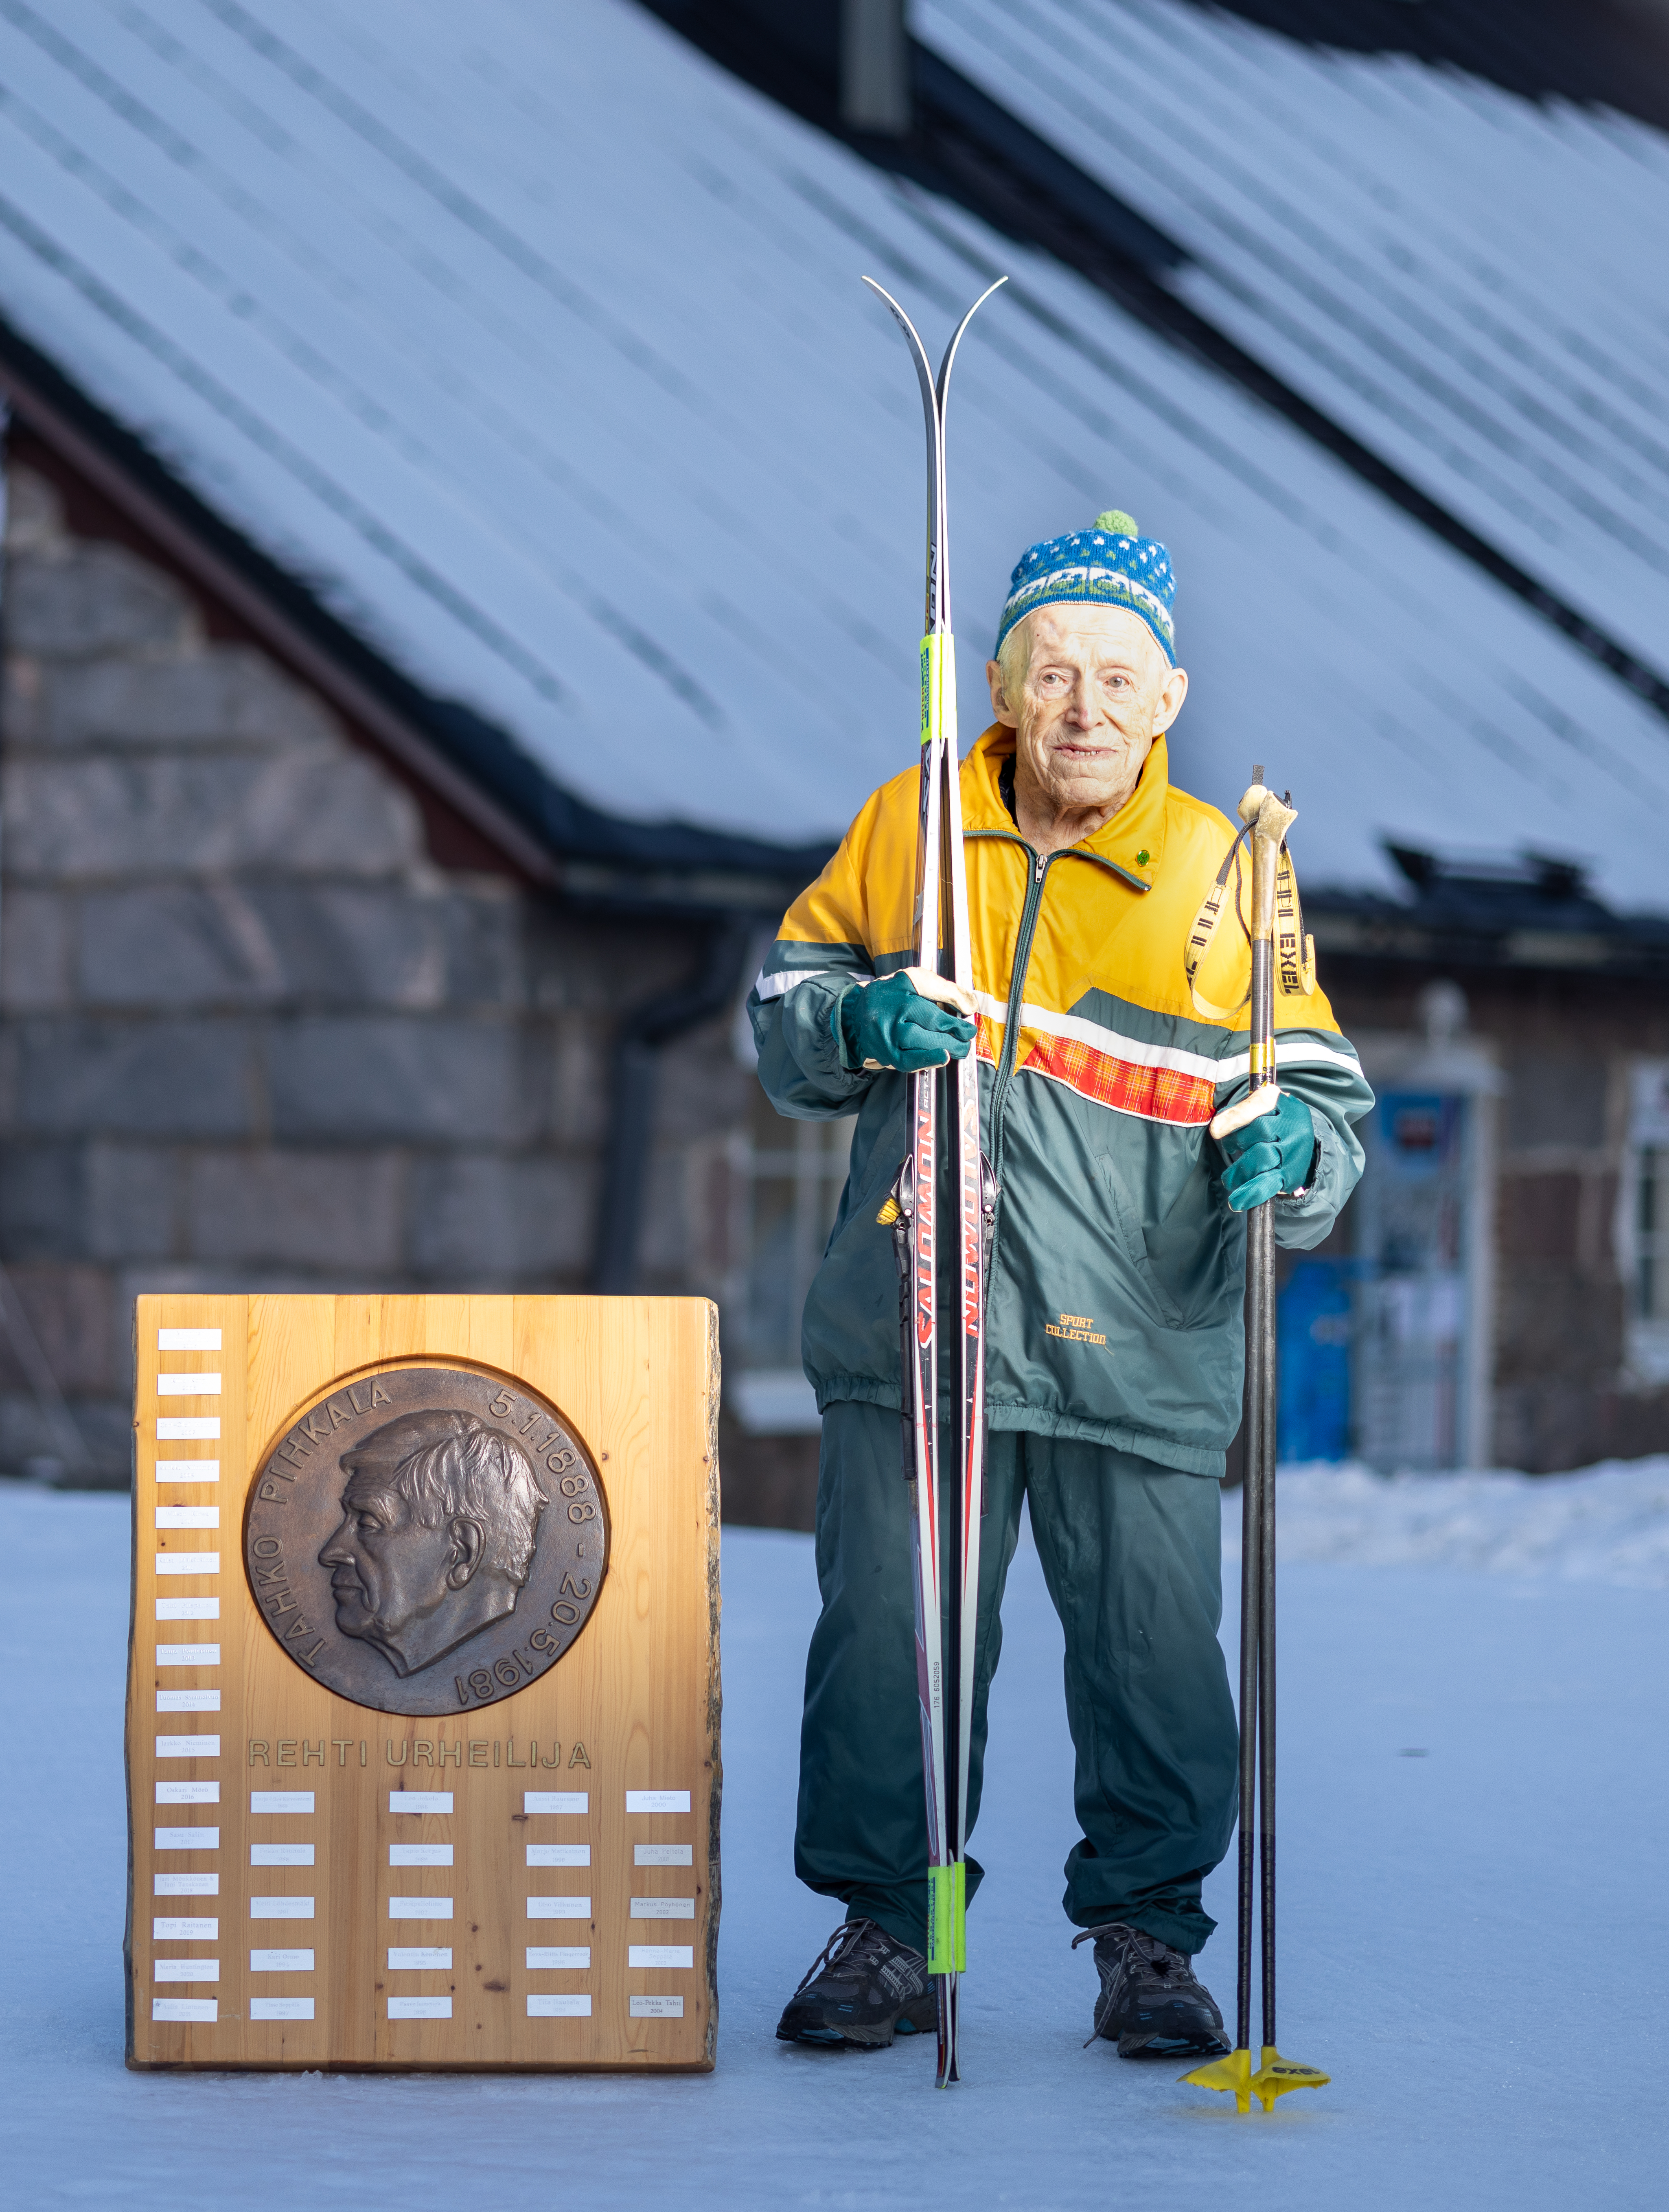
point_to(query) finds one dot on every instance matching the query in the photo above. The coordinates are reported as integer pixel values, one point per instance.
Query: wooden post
(447, 1797)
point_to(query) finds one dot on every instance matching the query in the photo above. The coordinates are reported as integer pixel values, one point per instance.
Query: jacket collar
(1132, 844)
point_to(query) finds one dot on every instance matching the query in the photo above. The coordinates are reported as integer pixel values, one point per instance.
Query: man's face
(387, 1570)
(1096, 693)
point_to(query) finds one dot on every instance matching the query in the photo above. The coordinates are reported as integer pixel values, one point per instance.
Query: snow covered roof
(1468, 281)
(535, 344)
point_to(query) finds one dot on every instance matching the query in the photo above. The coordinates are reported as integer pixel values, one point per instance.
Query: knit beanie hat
(1111, 566)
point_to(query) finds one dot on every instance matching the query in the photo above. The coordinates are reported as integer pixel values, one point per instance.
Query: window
(787, 1180)
(1642, 1222)
(1416, 1287)
(1651, 1282)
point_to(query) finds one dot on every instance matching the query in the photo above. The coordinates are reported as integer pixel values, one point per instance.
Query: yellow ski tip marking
(1232, 2072)
(1277, 2074)
(888, 1213)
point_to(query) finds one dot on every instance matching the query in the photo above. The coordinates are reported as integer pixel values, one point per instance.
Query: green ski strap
(938, 689)
(946, 1918)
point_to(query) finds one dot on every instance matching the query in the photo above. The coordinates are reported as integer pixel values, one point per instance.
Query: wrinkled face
(1097, 692)
(388, 1571)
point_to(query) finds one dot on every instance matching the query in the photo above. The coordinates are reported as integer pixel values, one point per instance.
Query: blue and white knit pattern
(1111, 566)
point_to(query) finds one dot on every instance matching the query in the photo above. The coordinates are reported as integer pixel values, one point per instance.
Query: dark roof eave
(545, 833)
(1527, 935)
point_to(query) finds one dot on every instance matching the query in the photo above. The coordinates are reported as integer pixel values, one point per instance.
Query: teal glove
(890, 1024)
(1270, 1157)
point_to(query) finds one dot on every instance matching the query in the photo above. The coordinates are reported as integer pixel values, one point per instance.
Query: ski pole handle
(1269, 819)
(1251, 1107)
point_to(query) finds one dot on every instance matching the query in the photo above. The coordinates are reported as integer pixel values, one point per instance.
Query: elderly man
(1114, 1341)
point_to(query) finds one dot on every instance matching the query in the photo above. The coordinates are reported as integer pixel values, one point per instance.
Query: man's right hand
(890, 1024)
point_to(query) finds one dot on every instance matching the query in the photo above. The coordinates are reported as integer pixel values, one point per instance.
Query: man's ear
(1174, 691)
(1000, 705)
(469, 1543)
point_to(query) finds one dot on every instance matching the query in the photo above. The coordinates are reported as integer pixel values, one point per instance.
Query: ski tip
(1277, 2075)
(1232, 2072)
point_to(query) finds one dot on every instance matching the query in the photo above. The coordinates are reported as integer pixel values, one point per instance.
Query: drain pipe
(643, 1031)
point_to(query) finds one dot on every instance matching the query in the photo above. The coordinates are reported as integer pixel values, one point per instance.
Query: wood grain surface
(632, 1707)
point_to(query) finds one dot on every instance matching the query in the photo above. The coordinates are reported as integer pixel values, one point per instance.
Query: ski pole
(1268, 819)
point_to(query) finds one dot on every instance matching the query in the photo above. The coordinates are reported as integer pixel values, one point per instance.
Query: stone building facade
(273, 1017)
(253, 1032)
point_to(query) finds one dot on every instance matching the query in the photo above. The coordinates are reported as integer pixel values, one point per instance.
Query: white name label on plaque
(186, 1970)
(420, 2008)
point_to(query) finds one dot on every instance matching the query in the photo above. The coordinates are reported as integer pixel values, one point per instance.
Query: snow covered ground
(1474, 1797)
(1609, 1523)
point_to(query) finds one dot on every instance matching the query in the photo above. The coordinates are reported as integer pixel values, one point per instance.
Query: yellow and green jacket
(1117, 1275)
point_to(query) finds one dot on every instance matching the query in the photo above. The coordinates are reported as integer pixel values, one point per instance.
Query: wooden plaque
(422, 1733)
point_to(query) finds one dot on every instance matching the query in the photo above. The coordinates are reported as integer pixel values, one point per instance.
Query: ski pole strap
(1295, 953)
(1205, 929)
(946, 1918)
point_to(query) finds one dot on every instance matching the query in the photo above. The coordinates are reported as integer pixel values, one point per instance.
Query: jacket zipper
(999, 1088)
(1040, 865)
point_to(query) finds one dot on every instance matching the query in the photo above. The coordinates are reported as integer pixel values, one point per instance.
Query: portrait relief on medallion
(426, 1539)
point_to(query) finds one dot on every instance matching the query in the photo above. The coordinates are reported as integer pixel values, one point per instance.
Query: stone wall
(253, 1035)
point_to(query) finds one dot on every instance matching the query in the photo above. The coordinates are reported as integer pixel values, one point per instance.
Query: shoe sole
(913, 2020)
(1171, 2047)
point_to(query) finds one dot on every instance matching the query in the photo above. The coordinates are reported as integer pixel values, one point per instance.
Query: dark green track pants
(1131, 1551)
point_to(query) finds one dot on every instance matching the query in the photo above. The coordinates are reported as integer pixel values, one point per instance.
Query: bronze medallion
(426, 1539)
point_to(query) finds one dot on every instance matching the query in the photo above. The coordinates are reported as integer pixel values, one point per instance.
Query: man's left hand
(1270, 1157)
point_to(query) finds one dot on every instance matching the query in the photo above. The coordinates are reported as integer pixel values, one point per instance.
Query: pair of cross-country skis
(943, 1381)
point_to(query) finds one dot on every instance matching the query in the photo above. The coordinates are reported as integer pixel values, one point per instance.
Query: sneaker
(864, 1990)
(1150, 2004)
